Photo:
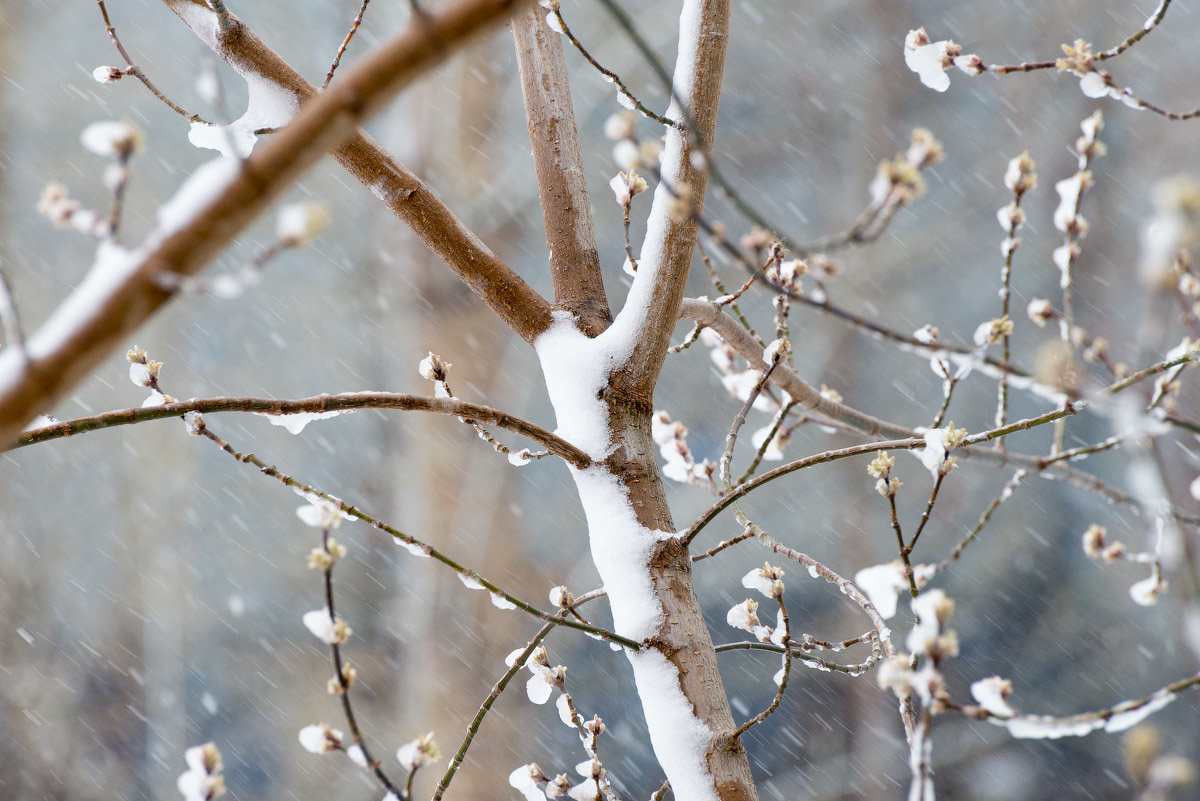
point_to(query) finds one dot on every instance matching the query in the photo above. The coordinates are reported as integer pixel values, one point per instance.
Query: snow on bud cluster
(321, 513)
(202, 781)
(898, 181)
(107, 74)
(326, 627)
(545, 679)
(118, 139)
(1021, 174)
(786, 274)
(990, 332)
(298, 224)
(627, 152)
(767, 579)
(884, 583)
(419, 752)
(679, 464)
(143, 372)
(321, 738)
(626, 186)
(938, 441)
(930, 60)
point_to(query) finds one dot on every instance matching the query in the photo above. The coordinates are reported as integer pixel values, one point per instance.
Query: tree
(602, 368)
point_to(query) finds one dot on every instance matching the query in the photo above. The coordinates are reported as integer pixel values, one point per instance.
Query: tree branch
(653, 305)
(558, 160)
(708, 313)
(321, 403)
(519, 305)
(124, 289)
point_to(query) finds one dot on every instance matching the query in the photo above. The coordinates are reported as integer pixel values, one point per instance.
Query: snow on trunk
(577, 369)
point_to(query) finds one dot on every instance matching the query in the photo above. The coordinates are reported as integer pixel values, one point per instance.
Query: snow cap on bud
(203, 780)
(930, 60)
(626, 186)
(526, 779)
(325, 627)
(143, 372)
(112, 138)
(418, 752)
(299, 223)
(321, 738)
(621, 125)
(992, 694)
(767, 579)
(107, 74)
(1146, 591)
(1040, 311)
(776, 350)
(1094, 540)
(433, 368)
(561, 597)
(1020, 176)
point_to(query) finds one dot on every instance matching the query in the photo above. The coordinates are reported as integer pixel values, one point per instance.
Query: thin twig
(135, 71)
(346, 43)
(314, 405)
(409, 540)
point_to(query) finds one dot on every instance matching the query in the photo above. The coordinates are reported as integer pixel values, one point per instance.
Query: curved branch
(350, 401)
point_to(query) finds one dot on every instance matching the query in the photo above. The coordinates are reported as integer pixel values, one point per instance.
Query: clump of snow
(325, 627)
(270, 106)
(929, 60)
(295, 423)
(1093, 85)
(525, 779)
(320, 738)
(992, 694)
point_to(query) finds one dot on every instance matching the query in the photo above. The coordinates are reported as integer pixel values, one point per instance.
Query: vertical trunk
(645, 568)
(683, 638)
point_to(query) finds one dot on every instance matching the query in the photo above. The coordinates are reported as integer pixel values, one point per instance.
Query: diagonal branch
(558, 160)
(652, 310)
(708, 313)
(522, 309)
(124, 288)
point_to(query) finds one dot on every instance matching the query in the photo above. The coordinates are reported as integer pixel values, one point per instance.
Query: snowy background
(151, 589)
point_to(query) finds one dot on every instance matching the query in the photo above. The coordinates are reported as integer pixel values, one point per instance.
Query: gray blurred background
(151, 588)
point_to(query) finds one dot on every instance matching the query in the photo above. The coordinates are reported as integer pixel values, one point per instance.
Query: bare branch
(315, 405)
(558, 160)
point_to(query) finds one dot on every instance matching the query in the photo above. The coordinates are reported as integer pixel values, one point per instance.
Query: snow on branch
(122, 290)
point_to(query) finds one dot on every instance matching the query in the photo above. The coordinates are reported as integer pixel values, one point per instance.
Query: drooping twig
(136, 71)
(426, 549)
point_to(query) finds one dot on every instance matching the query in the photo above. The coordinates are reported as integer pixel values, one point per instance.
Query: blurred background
(151, 588)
